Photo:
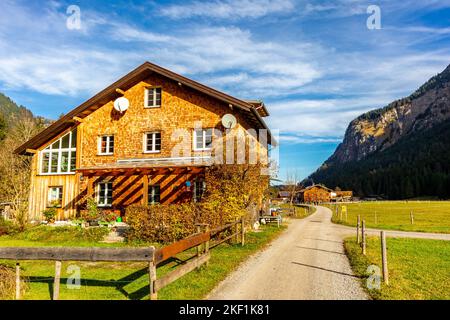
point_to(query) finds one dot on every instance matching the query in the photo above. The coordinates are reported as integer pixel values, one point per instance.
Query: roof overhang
(113, 91)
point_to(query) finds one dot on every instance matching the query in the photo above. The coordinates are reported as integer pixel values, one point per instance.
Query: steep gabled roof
(249, 109)
(316, 185)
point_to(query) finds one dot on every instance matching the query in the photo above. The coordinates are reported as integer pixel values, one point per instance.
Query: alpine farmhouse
(122, 157)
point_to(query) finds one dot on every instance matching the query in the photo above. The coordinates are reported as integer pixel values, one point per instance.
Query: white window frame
(194, 139)
(153, 133)
(151, 188)
(103, 205)
(146, 101)
(59, 152)
(60, 195)
(108, 145)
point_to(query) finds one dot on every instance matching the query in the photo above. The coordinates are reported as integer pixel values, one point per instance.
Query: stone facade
(182, 110)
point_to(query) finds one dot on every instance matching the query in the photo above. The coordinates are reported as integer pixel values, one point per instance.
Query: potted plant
(92, 213)
(50, 214)
(106, 218)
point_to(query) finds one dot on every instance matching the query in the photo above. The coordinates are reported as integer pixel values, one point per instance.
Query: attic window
(60, 156)
(153, 97)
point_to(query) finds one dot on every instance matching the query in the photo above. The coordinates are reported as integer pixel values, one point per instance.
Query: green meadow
(419, 269)
(428, 216)
(117, 281)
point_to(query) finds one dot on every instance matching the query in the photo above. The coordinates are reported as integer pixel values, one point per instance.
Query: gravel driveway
(306, 262)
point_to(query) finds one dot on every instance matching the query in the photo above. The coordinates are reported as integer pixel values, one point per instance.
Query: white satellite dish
(121, 104)
(229, 121)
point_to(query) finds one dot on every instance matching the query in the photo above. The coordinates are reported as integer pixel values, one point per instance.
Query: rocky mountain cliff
(387, 151)
(379, 129)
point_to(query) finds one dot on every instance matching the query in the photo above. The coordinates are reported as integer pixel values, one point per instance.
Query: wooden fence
(204, 240)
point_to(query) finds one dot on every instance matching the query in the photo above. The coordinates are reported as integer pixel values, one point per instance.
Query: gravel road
(306, 262)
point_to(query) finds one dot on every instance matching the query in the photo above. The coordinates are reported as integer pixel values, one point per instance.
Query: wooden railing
(204, 240)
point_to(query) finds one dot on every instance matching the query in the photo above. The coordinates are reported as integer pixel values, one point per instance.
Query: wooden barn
(150, 147)
(315, 193)
(341, 196)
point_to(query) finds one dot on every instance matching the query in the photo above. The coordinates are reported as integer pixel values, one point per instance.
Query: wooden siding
(316, 194)
(39, 193)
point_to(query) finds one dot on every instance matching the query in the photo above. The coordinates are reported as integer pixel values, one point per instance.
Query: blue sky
(314, 63)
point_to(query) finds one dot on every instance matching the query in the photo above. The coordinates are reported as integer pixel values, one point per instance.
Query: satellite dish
(121, 104)
(229, 121)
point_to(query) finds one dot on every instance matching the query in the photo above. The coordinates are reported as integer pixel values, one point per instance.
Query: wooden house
(341, 196)
(315, 193)
(123, 157)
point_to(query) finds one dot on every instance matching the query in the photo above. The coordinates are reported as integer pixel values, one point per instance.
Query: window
(154, 193)
(104, 198)
(152, 142)
(60, 156)
(153, 97)
(106, 145)
(203, 139)
(199, 189)
(54, 197)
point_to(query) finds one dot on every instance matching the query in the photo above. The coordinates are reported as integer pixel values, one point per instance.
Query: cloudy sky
(316, 64)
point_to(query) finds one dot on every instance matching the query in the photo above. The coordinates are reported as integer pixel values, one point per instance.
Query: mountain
(8, 108)
(399, 151)
(9, 111)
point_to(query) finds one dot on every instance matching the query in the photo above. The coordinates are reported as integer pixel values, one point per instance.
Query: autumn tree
(15, 169)
(292, 184)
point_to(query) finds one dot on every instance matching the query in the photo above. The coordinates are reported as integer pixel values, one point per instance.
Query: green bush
(161, 223)
(7, 227)
(62, 234)
(50, 214)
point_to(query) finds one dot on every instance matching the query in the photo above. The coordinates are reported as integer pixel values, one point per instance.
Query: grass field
(300, 211)
(115, 281)
(418, 269)
(429, 216)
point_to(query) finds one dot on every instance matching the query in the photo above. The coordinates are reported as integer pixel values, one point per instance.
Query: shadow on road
(328, 251)
(324, 269)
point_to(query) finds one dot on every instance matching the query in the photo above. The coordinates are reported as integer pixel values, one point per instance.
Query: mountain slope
(399, 151)
(9, 113)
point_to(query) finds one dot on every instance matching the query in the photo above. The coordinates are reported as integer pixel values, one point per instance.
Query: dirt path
(305, 262)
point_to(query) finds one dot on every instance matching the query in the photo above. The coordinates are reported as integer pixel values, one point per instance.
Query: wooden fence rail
(153, 256)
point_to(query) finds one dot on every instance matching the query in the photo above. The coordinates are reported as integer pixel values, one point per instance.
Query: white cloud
(311, 87)
(227, 9)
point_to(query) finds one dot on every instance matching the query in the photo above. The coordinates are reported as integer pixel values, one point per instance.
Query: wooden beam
(77, 119)
(118, 90)
(31, 151)
(57, 280)
(77, 254)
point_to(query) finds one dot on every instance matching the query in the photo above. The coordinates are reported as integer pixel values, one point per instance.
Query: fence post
(242, 232)
(384, 258)
(152, 277)
(236, 231)
(17, 280)
(411, 216)
(358, 223)
(57, 280)
(363, 237)
(199, 246)
(207, 244)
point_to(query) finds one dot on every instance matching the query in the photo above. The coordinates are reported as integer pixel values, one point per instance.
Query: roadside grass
(118, 281)
(429, 216)
(419, 269)
(301, 211)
